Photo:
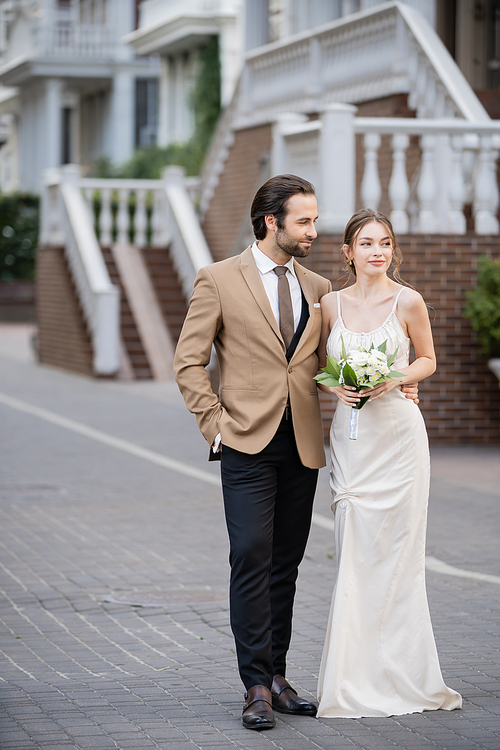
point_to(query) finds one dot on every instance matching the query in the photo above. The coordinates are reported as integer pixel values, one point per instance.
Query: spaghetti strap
(338, 305)
(397, 298)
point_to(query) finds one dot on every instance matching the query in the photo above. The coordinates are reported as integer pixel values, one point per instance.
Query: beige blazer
(230, 309)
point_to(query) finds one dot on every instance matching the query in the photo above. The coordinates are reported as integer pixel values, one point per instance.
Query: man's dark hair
(272, 198)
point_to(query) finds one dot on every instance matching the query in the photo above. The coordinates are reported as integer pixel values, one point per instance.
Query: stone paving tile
(80, 522)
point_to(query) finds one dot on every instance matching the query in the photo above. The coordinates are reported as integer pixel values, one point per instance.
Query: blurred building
(175, 30)
(389, 105)
(71, 90)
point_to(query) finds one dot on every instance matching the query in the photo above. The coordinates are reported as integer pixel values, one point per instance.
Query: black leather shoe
(258, 709)
(286, 701)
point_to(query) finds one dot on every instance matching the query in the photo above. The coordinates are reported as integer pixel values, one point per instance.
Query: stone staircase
(167, 287)
(169, 296)
(129, 333)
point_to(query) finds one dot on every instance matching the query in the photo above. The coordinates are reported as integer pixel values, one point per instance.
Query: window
(146, 112)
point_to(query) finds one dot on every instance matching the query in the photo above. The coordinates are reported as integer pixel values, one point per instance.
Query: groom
(261, 311)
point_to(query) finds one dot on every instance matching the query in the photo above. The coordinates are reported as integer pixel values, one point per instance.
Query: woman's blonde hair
(356, 224)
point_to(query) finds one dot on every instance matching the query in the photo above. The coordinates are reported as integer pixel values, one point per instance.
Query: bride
(379, 657)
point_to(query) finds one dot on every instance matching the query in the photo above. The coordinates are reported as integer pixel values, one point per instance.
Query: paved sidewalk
(114, 627)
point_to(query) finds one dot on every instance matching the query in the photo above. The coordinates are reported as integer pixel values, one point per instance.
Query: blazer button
(290, 369)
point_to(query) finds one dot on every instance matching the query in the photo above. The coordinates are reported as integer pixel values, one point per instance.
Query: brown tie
(287, 325)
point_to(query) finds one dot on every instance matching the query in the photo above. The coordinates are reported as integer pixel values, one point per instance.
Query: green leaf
(344, 353)
(326, 379)
(382, 346)
(332, 366)
(350, 376)
(361, 402)
(392, 357)
(394, 374)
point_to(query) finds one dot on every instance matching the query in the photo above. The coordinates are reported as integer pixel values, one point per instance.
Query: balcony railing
(365, 56)
(65, 40)
(433, 173)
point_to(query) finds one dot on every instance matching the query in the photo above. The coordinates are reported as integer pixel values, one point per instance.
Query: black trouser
(268, 500)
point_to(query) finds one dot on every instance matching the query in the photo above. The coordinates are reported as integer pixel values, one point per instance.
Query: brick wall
(461, 401)
(63, 338)
(17, 301)
(238, 183)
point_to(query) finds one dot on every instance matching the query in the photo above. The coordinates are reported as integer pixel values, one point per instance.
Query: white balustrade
(486, 195)
(426, 190)
(387, 48)
(159, 236)
(74, 40)
(371, 189)
(399, 188)
(122, 217)
(140, 218)
(456, 190)
(442, 184)
(127, 210)
(105, 218)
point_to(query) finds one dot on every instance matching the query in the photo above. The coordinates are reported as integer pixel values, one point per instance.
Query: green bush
(483, 306)
(19, 221)
(148, 163)
(205, 94)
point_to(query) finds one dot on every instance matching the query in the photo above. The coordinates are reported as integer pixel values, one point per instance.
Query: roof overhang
(24, 69)
(173, 36)
(9, 101)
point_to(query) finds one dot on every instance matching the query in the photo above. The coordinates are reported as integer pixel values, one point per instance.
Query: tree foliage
(483, 306)
(19, 220)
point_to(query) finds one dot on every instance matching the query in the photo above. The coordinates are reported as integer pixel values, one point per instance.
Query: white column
(230, 58)
(121, 117)
(52, 133)
(279, 157)
(256, 23)
(337, 168)
(163, 101)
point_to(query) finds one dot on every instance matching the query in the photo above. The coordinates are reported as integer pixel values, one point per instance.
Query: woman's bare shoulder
(411, 300)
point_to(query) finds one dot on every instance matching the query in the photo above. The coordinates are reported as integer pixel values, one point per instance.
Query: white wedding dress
(379, 657)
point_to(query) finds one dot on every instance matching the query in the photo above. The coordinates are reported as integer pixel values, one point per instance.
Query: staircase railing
(66, 222)
(158, 213)
(84, 214)
(384, 50)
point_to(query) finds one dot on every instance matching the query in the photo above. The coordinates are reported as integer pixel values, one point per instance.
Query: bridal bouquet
(361, 369)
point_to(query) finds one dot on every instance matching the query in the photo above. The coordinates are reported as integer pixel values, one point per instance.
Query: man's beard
(290, 246)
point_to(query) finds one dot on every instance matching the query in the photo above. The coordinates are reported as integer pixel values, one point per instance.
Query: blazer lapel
(311, 299)
(252, 278)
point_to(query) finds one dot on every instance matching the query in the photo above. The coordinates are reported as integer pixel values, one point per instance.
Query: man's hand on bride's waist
(411, 391)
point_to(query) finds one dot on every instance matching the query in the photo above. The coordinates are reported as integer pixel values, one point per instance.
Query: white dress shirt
(266, 268)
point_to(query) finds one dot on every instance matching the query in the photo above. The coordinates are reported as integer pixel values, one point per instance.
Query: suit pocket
(243, 388)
